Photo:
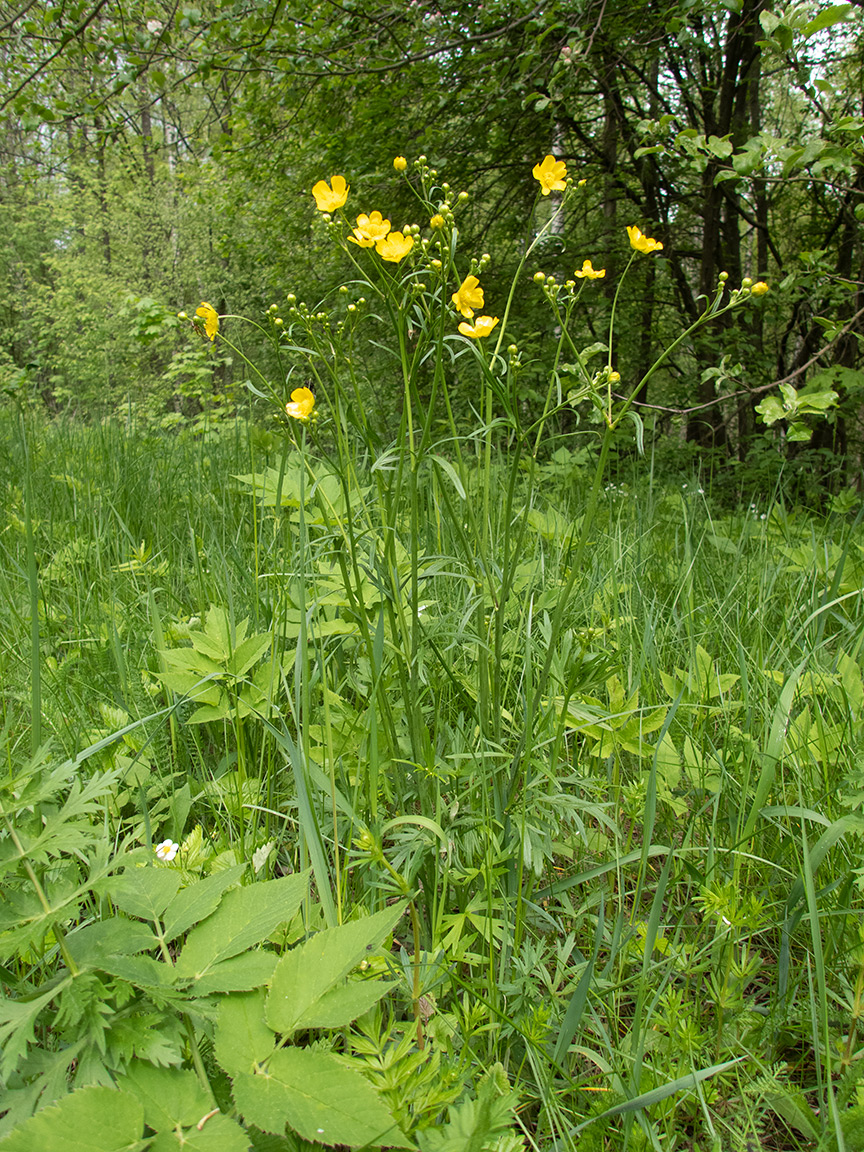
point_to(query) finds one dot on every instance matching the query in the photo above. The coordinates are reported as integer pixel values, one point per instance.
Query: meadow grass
(625, 820)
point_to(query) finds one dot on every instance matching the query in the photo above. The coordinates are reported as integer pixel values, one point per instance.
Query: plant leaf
(94, 1119)
(308, 972)
(319, 1097)
(245, 917)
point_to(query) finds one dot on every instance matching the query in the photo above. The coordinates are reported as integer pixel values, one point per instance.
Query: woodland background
(156, 154)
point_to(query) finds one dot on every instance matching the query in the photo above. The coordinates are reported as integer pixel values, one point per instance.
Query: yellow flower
(329, 197)
(394, 247)
(759, 288)
(483, 325)
(468, 297)
(437, 221)
(641, 242)
(369, 229)
(301, 404)
(589, 273)
(210, 317)
(551, 175)
(400, 163)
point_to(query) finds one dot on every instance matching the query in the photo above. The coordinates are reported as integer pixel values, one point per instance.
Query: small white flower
(154, 26)
(167, 850)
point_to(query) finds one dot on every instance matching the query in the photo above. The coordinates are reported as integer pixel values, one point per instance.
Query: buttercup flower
(589, 273)
(400, 163)
(369, 229)
(301, 404)
(210, 317)
(641, 242)
(437, 221)
(551, 175)
(394, 247)
(483, 325)
(468, 297)
(759, 288)
(329, 197)
(167, 850)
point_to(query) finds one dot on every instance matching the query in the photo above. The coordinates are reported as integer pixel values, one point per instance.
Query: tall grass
(651, 889)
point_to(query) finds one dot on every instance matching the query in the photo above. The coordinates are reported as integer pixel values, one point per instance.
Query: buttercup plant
(371, 526)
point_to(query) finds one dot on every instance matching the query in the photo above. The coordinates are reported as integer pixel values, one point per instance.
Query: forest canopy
(156, 154)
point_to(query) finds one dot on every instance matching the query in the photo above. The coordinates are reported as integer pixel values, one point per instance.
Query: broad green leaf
(343, 1004)
(239, 974)
(771, 410)
(245, 917)
(217, 1134)
(247, 654)
(242, 1038)
(308, 972)
(143, 971)
(208, 712)
(145, 892)
(115, 936)
(319, 1097)
(833, 14)
(94, 1119)
(169, 1096)
(195, 903)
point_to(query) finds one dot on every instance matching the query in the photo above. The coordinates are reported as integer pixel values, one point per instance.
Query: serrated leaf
(308, 972)
(208, 712)
(169, 1096)
(94, 1119)
(247, 654)
(112, 937)
(341, 1005)
(143, 971)
(245, 917)
(239, 974)
(319, 1097)
(217, 1134)
(242, 1037)
(145, 892)
(195, 903)
(17, 1021)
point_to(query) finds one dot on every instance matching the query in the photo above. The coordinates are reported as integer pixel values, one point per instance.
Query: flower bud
(291, 298)
(278, 321)
(400, 163)
(512, 349)
(462, 197)
(723, 277)
(343, 289)
(746, 282)
(182, 316)
(759, 288)
(352, 307)
(539, 277)
(437, 265)
(421, 159)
